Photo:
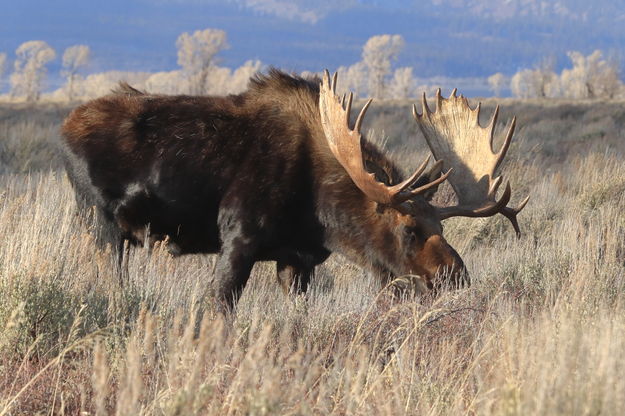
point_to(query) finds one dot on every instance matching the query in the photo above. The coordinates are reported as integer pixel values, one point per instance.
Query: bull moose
(276, 173)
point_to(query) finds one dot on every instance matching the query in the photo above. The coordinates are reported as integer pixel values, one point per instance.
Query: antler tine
(400, 187)
(361, 115)
(326, 77)
(506, 144)
(436, 167)
(334, 79)
(422, 189)
(491, 125)
(453, 93)
(439, 99)
(511, 213)
(477, 110)
(424, 104)
(492, 190)
(348, 108)
(499, 205)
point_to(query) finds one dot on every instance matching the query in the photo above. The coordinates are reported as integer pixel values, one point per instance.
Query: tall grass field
(540, 331)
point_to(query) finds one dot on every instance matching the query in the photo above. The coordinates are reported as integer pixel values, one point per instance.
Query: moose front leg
(232, 272)
(236, 259)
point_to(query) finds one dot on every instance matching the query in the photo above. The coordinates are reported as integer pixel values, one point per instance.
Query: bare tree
(241, 76)
(167, 82)
(403, 84)
(540, 82)
(497, 82)
(99, 84)
(522, 84)
(220, 80)
(353, 78)
(377, 55)
(30, 69)
(74, 58)
(196, 54)
(591, 76)
(547, 80)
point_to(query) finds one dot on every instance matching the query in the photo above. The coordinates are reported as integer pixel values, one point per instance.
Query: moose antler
(453, 133)
(345, 144)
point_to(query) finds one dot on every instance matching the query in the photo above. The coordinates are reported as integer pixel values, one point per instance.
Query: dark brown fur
(247, 176)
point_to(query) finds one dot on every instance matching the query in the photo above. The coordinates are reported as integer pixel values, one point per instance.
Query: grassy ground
(540, 331)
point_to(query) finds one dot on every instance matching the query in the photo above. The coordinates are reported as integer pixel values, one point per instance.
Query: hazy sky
(455, 38)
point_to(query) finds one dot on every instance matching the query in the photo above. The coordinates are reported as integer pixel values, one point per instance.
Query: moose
(276, 173)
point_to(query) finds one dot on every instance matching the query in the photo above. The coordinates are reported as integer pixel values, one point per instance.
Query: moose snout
(447, 267)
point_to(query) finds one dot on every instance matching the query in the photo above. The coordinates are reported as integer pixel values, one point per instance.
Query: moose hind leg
(295, 269)
(294, 278)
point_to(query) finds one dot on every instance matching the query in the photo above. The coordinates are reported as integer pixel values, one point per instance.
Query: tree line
(199, 72)
(591, 76)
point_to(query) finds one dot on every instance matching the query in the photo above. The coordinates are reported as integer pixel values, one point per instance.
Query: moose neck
(356, 228)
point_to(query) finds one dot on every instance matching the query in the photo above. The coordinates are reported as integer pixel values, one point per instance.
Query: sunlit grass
(540, 331)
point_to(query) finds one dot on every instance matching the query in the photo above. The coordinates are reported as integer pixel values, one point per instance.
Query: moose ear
(429, 176)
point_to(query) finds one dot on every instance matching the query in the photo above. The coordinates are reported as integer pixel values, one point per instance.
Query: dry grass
(540, 331)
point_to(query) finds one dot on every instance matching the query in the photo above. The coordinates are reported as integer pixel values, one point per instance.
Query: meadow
(541, 330)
